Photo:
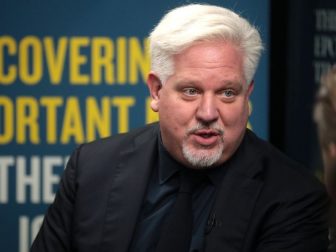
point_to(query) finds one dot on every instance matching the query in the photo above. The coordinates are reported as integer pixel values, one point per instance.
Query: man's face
(203, 106)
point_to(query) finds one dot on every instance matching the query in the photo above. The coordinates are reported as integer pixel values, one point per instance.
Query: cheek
(235, 115)
(179, 119)
(174, 123)
(175, 114)
(173, 107)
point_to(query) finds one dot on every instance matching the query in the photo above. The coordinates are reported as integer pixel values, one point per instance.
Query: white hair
(182, 27)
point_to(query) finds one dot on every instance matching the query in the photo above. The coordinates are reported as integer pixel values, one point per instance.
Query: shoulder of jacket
(122, 139)
(280, 170)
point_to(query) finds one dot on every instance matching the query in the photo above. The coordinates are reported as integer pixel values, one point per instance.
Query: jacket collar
(236, 198)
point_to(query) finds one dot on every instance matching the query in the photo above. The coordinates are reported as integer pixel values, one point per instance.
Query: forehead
(211, 52)
(218, 60)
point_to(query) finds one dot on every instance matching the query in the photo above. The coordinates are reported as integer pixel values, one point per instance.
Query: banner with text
(72, 72)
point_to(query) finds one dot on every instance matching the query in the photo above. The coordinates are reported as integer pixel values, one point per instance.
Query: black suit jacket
(266, 201)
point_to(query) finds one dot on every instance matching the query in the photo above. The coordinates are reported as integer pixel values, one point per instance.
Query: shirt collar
(168, 166)
(216, 174)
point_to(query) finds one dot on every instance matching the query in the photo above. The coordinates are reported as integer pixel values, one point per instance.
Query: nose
(207, 110)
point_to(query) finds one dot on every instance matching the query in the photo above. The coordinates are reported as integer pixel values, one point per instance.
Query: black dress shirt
(160, 197)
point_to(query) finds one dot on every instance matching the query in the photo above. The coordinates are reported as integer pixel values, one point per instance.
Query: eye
(228, 93)
(190, 91)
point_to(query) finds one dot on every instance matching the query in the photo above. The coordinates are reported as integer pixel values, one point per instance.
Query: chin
(202, 158)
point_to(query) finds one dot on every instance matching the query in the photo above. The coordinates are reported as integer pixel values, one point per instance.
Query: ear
(154, 84)
(250, 88)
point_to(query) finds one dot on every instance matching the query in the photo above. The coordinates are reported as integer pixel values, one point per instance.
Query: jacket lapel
(235, 200)
(127, 192)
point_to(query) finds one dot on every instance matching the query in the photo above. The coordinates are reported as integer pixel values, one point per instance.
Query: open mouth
(207, 133)
(206, 137)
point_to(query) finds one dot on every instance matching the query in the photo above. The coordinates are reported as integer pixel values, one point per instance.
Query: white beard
(203, 157)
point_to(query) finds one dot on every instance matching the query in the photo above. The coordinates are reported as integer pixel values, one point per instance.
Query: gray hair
(182, 27)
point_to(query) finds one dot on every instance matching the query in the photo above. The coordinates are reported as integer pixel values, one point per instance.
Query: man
(325, 118)
(124, 193)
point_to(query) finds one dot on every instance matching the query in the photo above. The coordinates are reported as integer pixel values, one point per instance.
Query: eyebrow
(197, 82)
(238, 86)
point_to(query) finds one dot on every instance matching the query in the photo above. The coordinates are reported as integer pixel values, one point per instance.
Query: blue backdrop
(70, 72)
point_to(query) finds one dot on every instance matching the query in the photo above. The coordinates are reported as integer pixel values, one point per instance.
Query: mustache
(201, 126)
